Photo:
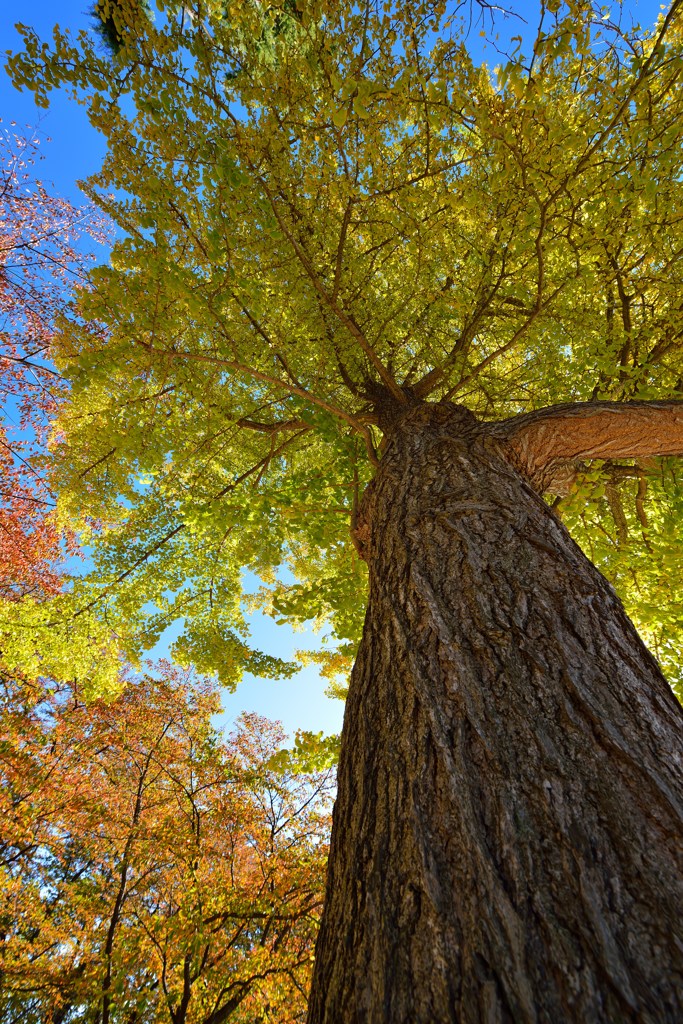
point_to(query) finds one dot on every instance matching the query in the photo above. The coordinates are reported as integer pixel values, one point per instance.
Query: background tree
(119, 820)
(153, 871)
(353, 252)
(39, 264)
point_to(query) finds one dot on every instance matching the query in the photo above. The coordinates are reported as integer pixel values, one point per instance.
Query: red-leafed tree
(40, 261)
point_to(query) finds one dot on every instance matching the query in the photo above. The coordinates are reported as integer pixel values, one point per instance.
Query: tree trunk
(506, 840)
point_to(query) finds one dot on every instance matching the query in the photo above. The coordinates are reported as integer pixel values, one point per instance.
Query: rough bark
(507, 834)
(542, 443)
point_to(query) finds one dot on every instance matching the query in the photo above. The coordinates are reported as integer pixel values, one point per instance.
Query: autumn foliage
(39, 262)
(151, 869)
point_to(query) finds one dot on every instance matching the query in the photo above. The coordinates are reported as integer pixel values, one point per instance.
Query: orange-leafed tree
(41, 260)
(153, 870)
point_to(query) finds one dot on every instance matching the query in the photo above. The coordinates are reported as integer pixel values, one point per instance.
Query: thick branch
(541, 442)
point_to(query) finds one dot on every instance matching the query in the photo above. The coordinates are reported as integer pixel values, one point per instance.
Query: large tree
(379, 307)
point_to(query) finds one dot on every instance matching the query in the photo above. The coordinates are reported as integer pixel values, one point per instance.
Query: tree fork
(507, 834)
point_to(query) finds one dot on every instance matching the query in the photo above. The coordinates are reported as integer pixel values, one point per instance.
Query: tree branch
(347, 319)
(542, 441)
(249, 371)
(271, 428)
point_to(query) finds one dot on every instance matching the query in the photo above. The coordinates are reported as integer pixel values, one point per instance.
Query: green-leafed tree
(381, 313)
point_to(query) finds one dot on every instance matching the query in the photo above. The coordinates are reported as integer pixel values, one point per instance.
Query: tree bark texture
(507, 834)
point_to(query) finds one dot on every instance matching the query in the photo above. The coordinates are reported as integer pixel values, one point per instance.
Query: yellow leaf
(339, 117)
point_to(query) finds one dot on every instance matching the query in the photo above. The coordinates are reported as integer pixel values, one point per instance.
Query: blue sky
(72, 150)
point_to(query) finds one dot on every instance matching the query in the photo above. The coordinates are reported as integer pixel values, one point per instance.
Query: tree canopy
(328, 210)
(153, 870)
